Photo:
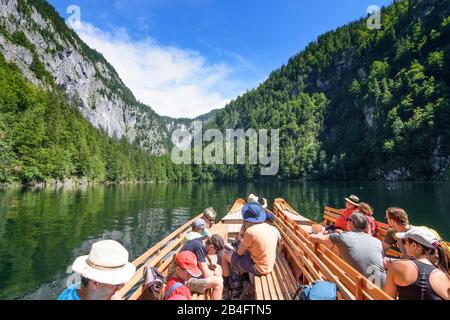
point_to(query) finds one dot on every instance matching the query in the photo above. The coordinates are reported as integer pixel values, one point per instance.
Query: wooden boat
(298, 260)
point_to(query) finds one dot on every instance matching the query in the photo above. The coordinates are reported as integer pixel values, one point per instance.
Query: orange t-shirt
(261, 240)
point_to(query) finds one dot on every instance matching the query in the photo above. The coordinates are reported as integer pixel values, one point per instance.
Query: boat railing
(159, 256)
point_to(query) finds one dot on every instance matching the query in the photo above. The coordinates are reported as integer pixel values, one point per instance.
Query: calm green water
(42, 232)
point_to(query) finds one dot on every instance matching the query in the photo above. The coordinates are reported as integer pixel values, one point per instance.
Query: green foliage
(355, 104)
(44, 137)
(20, 39)
(384, 100)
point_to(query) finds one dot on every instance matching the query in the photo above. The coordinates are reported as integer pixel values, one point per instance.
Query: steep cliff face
(35, 38)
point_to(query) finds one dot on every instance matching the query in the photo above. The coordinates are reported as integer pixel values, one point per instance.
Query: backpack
(318, 290)
(154, 283)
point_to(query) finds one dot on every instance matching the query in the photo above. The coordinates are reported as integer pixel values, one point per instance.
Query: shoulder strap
(298, 293)
(172, 289)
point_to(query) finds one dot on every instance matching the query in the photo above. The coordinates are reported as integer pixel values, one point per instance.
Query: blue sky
(186, 57)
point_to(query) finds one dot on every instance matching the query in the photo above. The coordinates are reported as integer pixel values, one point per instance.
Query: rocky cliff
(35, 38)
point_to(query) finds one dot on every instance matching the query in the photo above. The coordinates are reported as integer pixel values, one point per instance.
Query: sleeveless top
(421, 289)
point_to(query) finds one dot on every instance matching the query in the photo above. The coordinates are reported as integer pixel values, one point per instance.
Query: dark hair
(443, 251)
(217, 241)
(85, 282)
(439, 255)
(360, 221)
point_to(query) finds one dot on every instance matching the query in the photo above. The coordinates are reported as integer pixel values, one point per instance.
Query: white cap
(420, 235)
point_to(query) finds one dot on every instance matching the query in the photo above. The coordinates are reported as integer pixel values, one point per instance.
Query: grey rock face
(88, 78)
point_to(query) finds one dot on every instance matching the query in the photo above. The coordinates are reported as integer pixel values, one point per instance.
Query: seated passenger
(209, 216)
(351, 206)
(419, 278)
(211, 275)
(103, 273)
(184, 268)
(198, 230)
(358, 249)
(397, 219)
(367, 210)
(254, 199)
(257, 251)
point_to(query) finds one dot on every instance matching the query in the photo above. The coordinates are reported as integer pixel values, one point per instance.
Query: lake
(42, 232)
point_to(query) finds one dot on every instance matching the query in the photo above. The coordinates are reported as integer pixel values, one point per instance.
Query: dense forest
(359, 103)
(44, 137)
(355, 104)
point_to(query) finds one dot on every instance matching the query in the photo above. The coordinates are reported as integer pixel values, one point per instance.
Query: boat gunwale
(145, 259)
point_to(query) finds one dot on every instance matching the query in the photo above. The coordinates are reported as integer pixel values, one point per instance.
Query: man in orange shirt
(258, 249)
(351, 206)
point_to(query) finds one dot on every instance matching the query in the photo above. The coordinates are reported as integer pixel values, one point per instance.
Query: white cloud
(173, 81)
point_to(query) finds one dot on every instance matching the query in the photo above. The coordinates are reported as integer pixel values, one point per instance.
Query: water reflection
(43, 231)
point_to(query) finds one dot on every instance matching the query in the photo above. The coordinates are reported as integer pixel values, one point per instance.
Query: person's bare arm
(206, 272)
(320, 238)
(391, 287)
(386, 247)
(440, 283)
(242, 249)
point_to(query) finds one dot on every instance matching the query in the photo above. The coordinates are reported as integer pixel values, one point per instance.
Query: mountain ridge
(354, 104)
(32, 33)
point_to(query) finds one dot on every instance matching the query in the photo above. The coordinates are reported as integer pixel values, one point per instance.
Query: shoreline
(83, 183)
(68, 183)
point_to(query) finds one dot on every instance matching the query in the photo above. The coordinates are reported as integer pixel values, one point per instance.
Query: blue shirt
(196, 246)
(70, 293)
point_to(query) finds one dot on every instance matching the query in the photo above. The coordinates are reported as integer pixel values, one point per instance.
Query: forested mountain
(50, 54)
(43, 136)
(65, 112)
(355, 104)
(359, 103)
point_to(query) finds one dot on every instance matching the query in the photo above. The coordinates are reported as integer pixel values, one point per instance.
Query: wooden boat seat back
(316, 262)
(160, 256)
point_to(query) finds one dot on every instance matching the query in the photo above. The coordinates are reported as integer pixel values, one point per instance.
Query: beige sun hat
(353, 200)
(107, 263)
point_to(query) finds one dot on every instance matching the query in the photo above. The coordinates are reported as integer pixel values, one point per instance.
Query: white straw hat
(106, 263)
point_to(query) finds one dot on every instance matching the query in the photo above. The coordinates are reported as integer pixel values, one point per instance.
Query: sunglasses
(405, 241)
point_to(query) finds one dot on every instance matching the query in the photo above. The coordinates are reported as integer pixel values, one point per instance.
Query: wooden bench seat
(280, 284)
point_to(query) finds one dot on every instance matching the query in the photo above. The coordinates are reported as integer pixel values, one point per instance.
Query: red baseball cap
(188, 261)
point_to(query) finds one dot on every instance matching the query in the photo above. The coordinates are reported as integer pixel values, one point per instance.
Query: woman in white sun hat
(420, 278)
(103, 272)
